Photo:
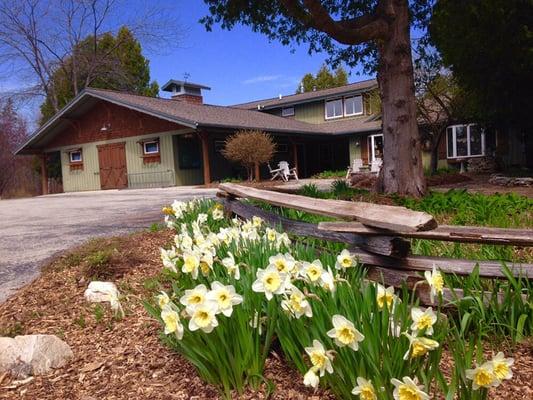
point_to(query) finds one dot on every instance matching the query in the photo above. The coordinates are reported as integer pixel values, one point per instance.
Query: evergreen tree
(324, 79)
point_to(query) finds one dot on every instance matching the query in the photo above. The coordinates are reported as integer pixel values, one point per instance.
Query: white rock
(98, 292)
(32, 354)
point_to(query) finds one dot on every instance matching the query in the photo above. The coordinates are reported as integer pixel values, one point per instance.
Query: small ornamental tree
(250, 148)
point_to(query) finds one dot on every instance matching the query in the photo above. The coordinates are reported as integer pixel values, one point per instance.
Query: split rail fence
(378, 236)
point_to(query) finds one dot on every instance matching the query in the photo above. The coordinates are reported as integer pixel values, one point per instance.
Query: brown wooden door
(113, 171)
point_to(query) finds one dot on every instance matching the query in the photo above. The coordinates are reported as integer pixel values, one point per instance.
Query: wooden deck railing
(378, 235)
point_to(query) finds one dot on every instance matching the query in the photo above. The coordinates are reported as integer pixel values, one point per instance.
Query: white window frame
(353, 97)
(74, 152)
(151, 152)
(326, 108)
(287, 112)
(372, 149)
(453, 154)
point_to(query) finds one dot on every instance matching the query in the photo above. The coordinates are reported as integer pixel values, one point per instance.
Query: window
(189, 154)
(151, 147)
(334, 108)
(353, 105)
(75, 156)
(465, 141)
(287, 112)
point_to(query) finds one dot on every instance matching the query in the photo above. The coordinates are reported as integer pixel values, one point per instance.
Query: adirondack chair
(275, 173)
(286, 171)
(375, 165)
(356, 166)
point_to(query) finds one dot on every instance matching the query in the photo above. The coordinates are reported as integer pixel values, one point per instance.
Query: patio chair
(276, 173)
(356, 166)
(286, 171)
(375, 165)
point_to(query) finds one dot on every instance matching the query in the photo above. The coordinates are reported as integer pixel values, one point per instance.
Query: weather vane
(186, 76)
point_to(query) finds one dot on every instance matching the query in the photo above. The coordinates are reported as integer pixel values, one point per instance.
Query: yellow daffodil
(385, 297)
(163, 299)
(419, 346)
(435, 282)
(270, 281)
(408, 389)
(191, 263)
(482, 376)
(172, 322)
(502, 366)
(283, 262)
(423, 320)
(345, 260)
(320, 358)
(194, 297)
(257, 221)
(312, 271)
(204, 317)
(344, 333)
(225, 297)
(364, 389)
(271, 235)
(311, 378)
(296, 303)
(167, 210)
(231, 266)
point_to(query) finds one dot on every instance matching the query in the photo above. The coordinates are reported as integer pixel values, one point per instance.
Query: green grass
(330, 174)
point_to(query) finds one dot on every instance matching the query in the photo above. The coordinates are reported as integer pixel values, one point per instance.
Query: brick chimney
(185, 91)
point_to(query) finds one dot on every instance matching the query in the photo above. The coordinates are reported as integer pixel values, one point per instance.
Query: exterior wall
(87, 178)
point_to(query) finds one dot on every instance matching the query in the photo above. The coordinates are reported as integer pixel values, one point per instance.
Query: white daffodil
(502, 366)
(194, 297)
(206, 263)
(218, 212)
(296, 303)
(183, 241)
(423, 320)
(204, 317)
(169, 259)
(257, 221)
(191, 263)
(483, 376)
(345, 260)
(320, 358)
(169, 221)
(327, 280)
(178, 207)
(283, 240)
(172, 322)
(271, 235)
(270, 281)
(231, 266)
(225, 297)
(224, 236)
(435, 281)
(364, 389)
(282, 262)
(163, 299)
(199, 238)
(312, 270)
(344, 333)
(385, 297)
(201, 219)
(419, 346)
(311, 378)
(408, 389)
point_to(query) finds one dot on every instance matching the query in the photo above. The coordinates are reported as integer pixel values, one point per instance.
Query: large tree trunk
(402, 170)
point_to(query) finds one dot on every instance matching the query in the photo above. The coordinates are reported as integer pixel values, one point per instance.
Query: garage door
(112, 160)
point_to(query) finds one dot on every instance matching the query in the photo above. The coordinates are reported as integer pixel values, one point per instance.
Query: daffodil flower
(201, 218)
(191, 263)
(345, 260)
(327, 280)
(194, 297)
(271, 235)
(217, 212)
(344, 333)
(311, 378)
(183, 241)
(204, 317)
(419, 346)
(231, 266)
(169, 258)
(270, 281)
(312, 271)
(257, 221)
(408, 389)
(423, 320)
(163, 299)
(502, 366)
(172, 322)
(482, 376)
(364, 389)
(435, 281)
(282, 262)
(225, 297)
(385, 297)
(320, 358)
(283, 240)
(296, 303)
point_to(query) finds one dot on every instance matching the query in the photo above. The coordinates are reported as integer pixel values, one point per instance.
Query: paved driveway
(34, 229)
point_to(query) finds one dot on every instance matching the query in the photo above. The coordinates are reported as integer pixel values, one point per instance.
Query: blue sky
(239, 65)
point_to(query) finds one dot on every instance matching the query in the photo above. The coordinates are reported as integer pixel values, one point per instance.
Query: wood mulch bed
(124, 359)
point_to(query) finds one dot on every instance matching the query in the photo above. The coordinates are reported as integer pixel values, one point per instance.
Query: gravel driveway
(34, 229)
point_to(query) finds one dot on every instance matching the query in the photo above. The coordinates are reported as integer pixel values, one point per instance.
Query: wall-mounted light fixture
(105, 128)
(357, 144)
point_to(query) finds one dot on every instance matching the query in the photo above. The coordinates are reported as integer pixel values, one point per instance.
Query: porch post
(295, 157)
(205, 157)
(44, 174)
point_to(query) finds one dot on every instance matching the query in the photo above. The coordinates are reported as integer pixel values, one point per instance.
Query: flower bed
(240, 288)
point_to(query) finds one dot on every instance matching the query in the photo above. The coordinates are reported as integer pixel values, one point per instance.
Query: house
(111, 140)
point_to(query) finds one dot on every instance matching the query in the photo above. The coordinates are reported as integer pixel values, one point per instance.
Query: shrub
(250, 148)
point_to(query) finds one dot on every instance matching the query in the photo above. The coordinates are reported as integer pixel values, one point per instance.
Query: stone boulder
(98, 292)
(32, 354)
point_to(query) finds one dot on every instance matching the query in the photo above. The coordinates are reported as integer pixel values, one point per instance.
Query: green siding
(355, 151)
(86, 179)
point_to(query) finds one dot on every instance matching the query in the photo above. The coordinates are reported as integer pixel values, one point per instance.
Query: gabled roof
(195, 116)
(351, 88)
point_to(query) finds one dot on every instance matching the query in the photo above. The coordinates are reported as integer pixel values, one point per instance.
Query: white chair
(276, 173)
(356, 166)
(287, 172)
(375, 165)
